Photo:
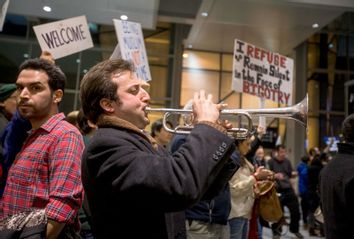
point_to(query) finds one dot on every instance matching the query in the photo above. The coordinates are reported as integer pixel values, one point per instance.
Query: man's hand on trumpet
(205, 110)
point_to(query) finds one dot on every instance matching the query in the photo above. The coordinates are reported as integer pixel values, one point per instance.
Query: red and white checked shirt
(46, 173)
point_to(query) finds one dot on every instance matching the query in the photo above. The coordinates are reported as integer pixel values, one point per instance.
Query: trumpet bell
(298, 112)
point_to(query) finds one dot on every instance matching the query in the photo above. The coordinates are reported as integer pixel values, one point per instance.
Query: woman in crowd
(242, 190)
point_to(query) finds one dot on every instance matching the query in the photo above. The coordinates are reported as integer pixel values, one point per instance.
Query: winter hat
(6, 91)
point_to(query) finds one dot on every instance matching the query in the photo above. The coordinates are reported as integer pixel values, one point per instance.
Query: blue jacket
(303, 178)
(12, 139)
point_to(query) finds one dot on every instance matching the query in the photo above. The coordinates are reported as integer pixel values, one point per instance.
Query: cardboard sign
(63, 38)
(3, 11)
(131, 47)
(262, 73)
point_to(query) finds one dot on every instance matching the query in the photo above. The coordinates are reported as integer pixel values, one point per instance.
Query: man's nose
(23, 93)
(145, 95)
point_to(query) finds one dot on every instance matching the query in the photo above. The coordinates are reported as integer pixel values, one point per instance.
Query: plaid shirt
(46, 173)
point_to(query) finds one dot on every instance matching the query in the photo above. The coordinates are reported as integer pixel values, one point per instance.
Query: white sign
(63, 38)
(3, 11)
(131, 47)
(262, 73)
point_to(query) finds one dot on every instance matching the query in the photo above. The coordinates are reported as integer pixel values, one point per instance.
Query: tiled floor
(267, 233)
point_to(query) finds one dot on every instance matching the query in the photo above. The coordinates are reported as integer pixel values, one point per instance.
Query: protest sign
(131, 47)
(63, 38)
(262, 73)
(3, 11)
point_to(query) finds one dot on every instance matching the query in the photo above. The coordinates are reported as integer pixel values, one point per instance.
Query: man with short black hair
(44, 181)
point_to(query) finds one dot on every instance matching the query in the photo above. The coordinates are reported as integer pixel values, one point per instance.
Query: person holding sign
(132, 184)
(43, 191)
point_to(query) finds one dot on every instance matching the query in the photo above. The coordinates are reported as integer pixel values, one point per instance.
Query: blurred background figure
(314, 170)
(283, 169)
(85, 126)
(302, 170)
(8, 103)
(87, 129)
(46, 55)
(71, 117)
(260, 157)
(159, 133)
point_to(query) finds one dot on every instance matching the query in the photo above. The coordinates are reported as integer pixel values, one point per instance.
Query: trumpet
(296, 112)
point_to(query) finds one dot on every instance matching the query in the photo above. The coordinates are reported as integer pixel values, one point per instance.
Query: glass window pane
(313, 54)
(227, 62)
(201, 60)
(341, 47)
(158, 60)
(226, 94)
(157, 43)
(250, 101)
(194, 80)
(69, 66)
(11, 57)
(351, 52)
(89, 58)
(67, 104)
(338, 93)
(323, 82)
(159, 85)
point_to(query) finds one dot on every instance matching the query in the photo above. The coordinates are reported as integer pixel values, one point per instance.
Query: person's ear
(58, 96)
(106, 105)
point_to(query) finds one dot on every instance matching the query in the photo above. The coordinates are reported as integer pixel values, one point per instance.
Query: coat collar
(113, 121)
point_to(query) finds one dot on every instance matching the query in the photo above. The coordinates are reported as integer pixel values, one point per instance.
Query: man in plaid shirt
(46, 172)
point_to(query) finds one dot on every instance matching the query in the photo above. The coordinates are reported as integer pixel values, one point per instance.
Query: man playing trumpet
(126, 176)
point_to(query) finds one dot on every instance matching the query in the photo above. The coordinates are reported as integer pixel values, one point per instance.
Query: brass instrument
(296, 112)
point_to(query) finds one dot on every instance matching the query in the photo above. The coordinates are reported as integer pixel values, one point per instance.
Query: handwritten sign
(131, 47)
(262, 73)
(63, 38)
(3, 11)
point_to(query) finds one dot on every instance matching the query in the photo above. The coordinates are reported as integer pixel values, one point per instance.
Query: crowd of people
(98, 173)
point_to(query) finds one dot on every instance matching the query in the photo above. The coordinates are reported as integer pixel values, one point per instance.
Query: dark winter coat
(313, 183)
(337, 193)
(132, 187)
